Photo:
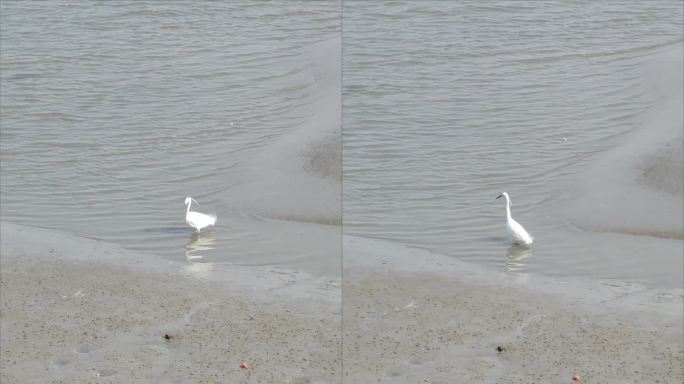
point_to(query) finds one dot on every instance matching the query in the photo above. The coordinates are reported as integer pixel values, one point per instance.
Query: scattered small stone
(167, 336)
(500, 348)
(244, 365)
(576, 378)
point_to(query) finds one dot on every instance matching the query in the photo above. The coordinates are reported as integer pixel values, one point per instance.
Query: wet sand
(637, 187)
(665, 169)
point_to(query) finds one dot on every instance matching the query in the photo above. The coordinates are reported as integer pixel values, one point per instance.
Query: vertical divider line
(341, 191)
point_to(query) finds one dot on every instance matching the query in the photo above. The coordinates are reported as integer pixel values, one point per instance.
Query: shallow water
(447, 104)
(113, 113)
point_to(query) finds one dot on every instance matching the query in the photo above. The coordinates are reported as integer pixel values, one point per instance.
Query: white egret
(516, 231)
(197, 220)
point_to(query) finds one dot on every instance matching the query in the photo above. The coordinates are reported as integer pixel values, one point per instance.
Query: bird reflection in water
(515, 258)
(198, 243)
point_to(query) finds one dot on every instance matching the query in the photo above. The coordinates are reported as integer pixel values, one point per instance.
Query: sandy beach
(69, 320)
(351, 153)
(434, 320)
(441, 321)
(68, 323)
(437, 330)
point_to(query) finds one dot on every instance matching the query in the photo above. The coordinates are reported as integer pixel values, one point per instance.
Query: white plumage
(197, 220)
(516, 231)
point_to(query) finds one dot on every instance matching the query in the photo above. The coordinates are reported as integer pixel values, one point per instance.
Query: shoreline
(412, 316)
(610, 294)
(409, 315)
(82, 310)
(408, 328)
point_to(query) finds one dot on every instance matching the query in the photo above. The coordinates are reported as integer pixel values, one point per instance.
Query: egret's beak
(499, 196)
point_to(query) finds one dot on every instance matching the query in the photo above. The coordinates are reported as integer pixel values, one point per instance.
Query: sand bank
(636, 188)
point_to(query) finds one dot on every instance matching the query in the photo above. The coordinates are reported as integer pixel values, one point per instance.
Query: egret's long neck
(188, 209)
(508, 208)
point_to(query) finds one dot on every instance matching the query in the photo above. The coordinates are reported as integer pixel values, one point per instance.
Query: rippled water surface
(449, 103)
(114, 112)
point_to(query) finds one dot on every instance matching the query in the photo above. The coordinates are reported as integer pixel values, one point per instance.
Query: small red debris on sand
(244, 365)
(576, 378)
